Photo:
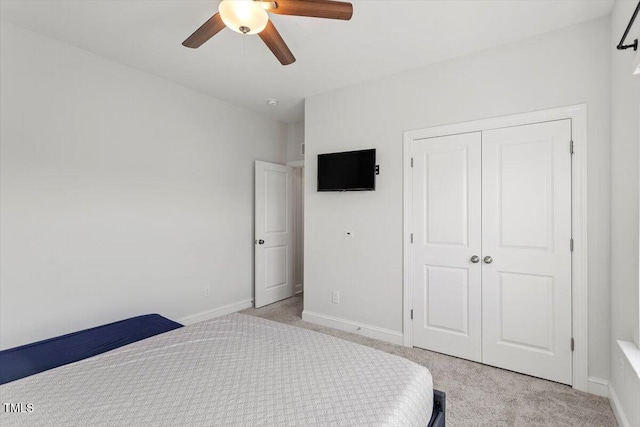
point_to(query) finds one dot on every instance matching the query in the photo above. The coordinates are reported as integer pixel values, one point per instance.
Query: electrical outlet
(206, 291)
(348, 233)
(335, 297)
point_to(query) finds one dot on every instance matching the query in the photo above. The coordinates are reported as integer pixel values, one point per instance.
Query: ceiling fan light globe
(243, 16)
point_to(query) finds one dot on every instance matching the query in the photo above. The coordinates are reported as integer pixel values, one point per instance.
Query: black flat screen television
(348, 171)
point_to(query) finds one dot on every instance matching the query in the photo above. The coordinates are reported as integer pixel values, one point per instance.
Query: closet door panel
(446, 227)
(526, 232)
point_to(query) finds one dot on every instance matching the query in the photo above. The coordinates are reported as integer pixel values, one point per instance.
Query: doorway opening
(279, 232)
(298, 228)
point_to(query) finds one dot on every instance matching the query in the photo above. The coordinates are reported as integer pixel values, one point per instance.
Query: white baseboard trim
(621, 418)
(598, 386)
(215, 312)
(297, 288)
(354, 327)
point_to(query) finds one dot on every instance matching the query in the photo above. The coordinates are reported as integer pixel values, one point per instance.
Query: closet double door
(491, 252)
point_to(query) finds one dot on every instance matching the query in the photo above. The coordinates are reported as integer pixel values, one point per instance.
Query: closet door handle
(475, 259)
(488, 260)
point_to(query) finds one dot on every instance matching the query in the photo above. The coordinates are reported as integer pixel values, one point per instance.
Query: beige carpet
(477, 395)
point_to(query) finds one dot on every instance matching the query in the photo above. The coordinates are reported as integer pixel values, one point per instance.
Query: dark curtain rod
(634, 45)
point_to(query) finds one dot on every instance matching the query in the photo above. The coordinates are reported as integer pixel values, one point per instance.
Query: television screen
(348, 171)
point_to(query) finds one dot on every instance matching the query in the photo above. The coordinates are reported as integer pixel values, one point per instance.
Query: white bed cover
(236, 370)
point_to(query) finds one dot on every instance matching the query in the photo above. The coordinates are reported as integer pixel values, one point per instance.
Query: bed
(30, 359)
(231, 370)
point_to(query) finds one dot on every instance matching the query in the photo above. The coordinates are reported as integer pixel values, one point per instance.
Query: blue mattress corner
(20, 362)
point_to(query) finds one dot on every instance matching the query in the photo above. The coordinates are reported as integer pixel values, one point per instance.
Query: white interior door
(446, 283)
(526, 230)
(274, 236)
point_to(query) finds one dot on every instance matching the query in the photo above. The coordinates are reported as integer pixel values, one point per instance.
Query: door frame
(579, 285)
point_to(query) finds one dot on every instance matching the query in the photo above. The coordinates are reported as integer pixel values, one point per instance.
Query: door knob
(475, 259)
(488, 260)
(260, 242)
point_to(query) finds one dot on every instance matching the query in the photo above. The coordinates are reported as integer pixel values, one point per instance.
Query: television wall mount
(634, 45)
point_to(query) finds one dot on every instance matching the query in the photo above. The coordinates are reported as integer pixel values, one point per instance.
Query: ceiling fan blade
(314, 8)
(272, 38)
(209, 29)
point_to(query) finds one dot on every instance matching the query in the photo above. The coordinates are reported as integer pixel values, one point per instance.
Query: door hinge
(411, 237)
(571, 147)
(412, 314)
(412, 162)
(573, 344)
(571, 245)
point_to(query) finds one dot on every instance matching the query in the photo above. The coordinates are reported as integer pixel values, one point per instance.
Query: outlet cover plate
(335, 297)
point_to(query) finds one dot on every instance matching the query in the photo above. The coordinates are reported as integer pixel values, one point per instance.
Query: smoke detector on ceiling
(272, 102)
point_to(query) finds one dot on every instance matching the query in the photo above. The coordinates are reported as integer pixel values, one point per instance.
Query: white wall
(625, 138)
(565, 67)
(625, 127)
(121, 193)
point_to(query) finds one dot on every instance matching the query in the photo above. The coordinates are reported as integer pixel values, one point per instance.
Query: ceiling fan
(251, 17)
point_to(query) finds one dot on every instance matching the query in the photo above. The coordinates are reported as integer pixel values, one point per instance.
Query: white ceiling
(383, 38)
